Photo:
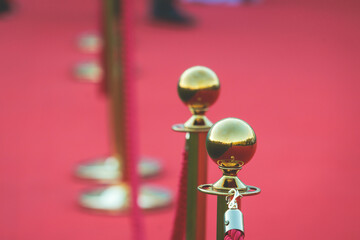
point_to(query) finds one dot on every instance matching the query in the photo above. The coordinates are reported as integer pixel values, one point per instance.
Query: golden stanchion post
(198, 88)
(115, 198)
(231, 143)
(108, 169)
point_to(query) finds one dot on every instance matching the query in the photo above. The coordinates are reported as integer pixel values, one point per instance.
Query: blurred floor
(289, 68)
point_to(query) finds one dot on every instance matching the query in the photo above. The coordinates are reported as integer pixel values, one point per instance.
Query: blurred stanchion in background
(198, 88)
(120, 194)
(231, 143)
(108, 168)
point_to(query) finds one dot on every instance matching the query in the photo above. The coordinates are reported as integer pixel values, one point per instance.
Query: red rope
(178, 232)
(234, 235)
(130, 118)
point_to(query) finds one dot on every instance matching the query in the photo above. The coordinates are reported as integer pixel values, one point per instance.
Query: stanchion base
(88, 72)
(182, 128)
(115, 199)
(90, 43)
(108, 170)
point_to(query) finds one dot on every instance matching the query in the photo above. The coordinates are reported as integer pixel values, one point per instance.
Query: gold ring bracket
(209, 189)
(182, 128)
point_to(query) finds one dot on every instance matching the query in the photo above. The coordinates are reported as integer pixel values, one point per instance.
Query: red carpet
(289, 68)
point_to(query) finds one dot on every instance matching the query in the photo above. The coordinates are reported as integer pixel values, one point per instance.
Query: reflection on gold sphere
(231, 142)
(198, 87)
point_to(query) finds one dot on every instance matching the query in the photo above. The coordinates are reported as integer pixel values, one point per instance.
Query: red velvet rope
(178, 232)
(234, 235)
(130, 117)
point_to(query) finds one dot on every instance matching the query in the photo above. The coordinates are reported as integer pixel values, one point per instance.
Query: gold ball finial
(198, 88)
(231, 142)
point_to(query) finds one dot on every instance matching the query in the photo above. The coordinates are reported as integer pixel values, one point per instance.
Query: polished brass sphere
(231, 142)
(198, 88)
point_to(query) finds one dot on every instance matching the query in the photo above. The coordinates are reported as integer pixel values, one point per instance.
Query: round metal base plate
(182, 128)
(88, 71)
(108, 169)
(90, 43)
(208, 188)
(115, 199)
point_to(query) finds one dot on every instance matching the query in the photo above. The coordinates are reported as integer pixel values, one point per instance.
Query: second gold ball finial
(198, 88)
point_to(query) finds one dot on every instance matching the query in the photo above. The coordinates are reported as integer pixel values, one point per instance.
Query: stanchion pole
(231, 143)
(198, 88)
(117, 197)
(109, 169)
(197, 174)
(221, 209)
(115, 86)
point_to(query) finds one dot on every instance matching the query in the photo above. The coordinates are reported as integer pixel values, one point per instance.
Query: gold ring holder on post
(198, 88)
(231, 143)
